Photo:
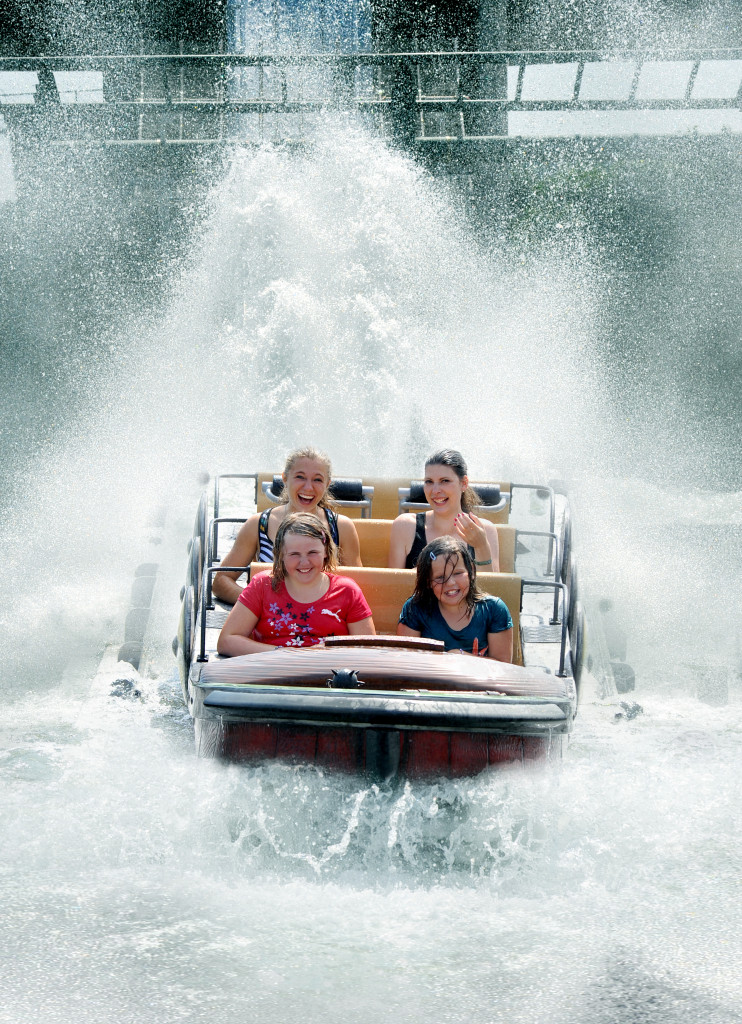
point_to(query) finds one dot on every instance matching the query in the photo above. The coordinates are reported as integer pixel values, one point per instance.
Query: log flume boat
(384, 705)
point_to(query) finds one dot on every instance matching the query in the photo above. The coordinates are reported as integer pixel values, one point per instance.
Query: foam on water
(153, 886)
(337, 297)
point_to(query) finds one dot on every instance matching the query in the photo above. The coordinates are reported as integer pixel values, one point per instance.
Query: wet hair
(455, 461)
(301, 524)
(308, 452)
(443, 551)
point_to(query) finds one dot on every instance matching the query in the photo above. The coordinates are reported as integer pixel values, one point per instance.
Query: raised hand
(470, 529)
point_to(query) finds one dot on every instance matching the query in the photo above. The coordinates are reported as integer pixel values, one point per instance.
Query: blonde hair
(302, 524)
(308, 452)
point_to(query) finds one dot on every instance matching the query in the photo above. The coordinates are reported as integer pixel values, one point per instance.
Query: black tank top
(420, 540)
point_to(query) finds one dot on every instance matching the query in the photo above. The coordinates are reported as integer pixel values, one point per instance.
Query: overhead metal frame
(150, 99)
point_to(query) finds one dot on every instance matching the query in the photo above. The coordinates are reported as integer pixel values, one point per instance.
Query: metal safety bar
(207, 604)
(555, 621)
(211, 546)
(553, 548)
(552, 512)
(230, 476)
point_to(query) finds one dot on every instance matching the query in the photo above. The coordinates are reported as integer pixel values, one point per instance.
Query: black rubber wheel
(572, 597)
(565, 547)
(195, 568)
(577, 645)
(186, 628)
(199, 527)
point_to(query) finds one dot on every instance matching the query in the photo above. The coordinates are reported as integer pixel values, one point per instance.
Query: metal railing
(559, 588)
(211, 98)
(207, 604)
(553, 556)
(217, 500)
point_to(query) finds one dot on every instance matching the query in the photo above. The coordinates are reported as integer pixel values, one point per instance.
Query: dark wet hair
(303, 524)
(443, 551)
(308, 452)
(455, 461)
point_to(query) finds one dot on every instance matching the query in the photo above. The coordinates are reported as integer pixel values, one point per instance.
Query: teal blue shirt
(490, 615)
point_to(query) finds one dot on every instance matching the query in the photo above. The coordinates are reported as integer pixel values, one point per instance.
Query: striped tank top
(265, 544)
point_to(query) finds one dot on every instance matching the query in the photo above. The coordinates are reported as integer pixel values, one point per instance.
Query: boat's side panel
(509, 749)
(467, 753)
(339, 748)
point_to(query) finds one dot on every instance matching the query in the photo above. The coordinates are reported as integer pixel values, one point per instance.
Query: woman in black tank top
(420, 541)
(452, 502)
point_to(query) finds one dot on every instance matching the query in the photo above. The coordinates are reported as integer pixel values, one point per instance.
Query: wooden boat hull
(417, 713)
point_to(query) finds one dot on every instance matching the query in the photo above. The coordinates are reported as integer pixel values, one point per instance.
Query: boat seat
(349, 494)
(374, 536)
(386, 497)
(495, 500)
(386, 590)
(382, 492)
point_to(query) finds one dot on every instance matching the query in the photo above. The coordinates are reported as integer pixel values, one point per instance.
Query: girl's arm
(494, 543)
(244, 549)
(363, 626)
(403, 630)
(400, 540)
(234, 638)
(500, 645)
(350, 546)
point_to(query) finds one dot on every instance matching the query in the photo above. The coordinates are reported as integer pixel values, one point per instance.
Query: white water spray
(337, 297)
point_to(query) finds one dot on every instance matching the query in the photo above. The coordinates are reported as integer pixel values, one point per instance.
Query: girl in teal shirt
(448, 605)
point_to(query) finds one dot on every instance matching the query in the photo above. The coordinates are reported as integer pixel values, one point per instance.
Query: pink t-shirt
(288, 623)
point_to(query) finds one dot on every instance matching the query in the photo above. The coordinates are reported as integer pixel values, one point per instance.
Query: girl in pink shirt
(301, 600)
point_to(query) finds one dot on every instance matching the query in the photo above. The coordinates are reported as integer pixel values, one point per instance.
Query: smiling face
(306, 483)
(450, 581)
(443, 488)
(303, 558)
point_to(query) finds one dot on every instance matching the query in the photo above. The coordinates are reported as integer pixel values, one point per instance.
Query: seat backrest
(374, 537)
(494, 498)
(385, 504)
(386, 590)
(386, 496)
(508, 587)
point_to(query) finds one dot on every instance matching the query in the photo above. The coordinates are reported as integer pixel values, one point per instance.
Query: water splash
(337, 296)
(324, 303)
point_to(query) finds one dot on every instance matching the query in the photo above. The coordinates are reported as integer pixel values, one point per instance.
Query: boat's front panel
(380, 753)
